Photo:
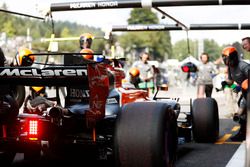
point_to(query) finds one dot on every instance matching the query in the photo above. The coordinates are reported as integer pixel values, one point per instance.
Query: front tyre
(205, 120)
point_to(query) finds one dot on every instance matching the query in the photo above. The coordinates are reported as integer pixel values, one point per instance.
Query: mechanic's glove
(224, 84)
(237, 89)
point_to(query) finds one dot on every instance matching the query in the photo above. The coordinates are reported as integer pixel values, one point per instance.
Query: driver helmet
(230, 56)
(86, 40)
(89, 56)
(134, 72)
(24, 58)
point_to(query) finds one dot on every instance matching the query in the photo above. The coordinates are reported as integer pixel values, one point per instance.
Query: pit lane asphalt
(215, 154)
(188, 154)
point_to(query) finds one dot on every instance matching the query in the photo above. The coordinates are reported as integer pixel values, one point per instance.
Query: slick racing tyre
(205, 120)
(19, 93)
(146, 135)
(8, 109)
(6, 158)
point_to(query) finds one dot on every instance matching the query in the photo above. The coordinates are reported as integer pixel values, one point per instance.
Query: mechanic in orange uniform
(23, 57)
(86, 40)
(237, 72)
(134, 77)
(85, 45)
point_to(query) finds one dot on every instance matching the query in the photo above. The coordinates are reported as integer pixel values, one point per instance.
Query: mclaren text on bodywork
(32, 72)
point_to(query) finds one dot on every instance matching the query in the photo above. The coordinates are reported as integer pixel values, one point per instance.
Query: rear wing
(48, 76)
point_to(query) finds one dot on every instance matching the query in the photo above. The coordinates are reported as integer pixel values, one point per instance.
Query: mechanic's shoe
(240, 136)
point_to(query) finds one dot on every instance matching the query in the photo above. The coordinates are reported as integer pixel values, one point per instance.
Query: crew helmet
(89, 56)
(230, 56)
(244, 84)
(24, 58)
(86, 38)
(135, 72)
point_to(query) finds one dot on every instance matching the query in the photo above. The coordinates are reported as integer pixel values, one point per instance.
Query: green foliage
(158, 43)
(180, 49)
(8, 27)
(14, 25)
(246, 55)
(142, 16)
(65, 32)
(212, 48)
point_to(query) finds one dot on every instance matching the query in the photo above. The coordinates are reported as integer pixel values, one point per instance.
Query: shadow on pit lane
(70, 160)
(205, 154)
(183, 150)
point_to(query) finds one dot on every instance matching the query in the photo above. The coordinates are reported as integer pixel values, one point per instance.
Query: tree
(142, 16)
(3, 16)
(158, 43)
(65, 32)
(212, 48)
(180, 49)
(8, 27)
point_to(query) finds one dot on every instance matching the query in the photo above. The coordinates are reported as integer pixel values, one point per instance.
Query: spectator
(206, 72)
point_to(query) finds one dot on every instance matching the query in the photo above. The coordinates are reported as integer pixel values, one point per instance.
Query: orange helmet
(230, 56)
(86, 39)
(244, 84)
(24, 58)
(87, 56)
(134, 72)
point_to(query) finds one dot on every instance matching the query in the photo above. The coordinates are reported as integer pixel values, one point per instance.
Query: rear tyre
(32, 154)
(6, 158)
(19, 94)
(146, 135)
(205, 120)
(8, 110)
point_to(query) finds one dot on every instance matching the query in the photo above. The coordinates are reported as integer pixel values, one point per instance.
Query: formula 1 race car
(100, 116)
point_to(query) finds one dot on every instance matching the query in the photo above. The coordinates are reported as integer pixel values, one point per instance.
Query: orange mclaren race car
(99, 115)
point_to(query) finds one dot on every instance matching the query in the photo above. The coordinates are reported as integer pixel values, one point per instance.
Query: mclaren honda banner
(168, 27)
(86, 5)
(153, 27)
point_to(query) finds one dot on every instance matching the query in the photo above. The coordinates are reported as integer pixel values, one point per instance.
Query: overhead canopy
(165, 27)
(140, 27)
(86, 5)
(190, 59)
